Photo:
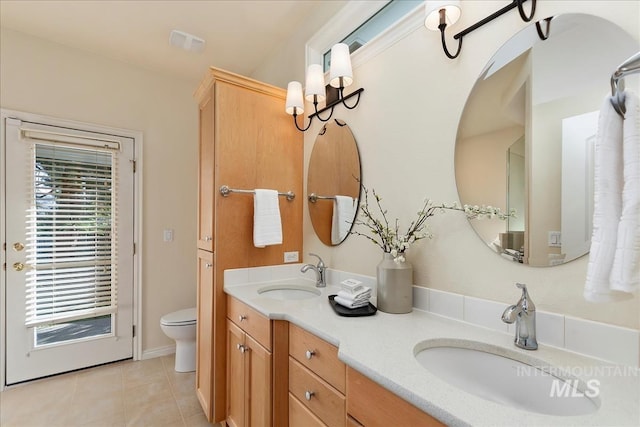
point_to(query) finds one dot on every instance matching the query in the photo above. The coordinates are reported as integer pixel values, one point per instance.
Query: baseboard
(158, 352)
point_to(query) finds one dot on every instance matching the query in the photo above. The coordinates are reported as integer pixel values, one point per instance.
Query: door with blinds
(69, 249)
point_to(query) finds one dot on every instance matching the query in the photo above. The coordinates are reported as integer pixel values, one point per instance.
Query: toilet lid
(180, 317)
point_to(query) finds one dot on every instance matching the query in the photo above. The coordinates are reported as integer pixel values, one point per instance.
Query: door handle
(17, 246)
(18, 266)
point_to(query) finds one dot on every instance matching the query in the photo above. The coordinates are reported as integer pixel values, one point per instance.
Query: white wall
(406, 128)
(40, 77)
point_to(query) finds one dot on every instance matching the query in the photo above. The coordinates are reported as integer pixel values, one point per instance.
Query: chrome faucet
(524, 315)
(320, 268)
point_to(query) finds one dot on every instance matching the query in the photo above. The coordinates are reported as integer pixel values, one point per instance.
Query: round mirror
(333, 182)
(525, 138)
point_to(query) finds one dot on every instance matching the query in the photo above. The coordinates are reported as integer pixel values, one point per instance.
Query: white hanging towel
(267, 225)
(625, 273)
(607, 204)
(343, 213)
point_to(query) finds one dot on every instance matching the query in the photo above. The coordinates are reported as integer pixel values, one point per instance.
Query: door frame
(137, 220)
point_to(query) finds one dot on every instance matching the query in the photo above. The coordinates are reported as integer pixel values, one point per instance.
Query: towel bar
(225, 191)
(630, 66)
(313, 197)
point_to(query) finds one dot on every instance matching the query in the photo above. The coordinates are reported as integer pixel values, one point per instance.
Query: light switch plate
(167, 235)
(555, 239)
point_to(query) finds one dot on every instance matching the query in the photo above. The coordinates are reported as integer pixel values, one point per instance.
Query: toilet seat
(179, 318)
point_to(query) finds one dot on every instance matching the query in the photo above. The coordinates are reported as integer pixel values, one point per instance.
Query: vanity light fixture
(340, 76)
(440, 14)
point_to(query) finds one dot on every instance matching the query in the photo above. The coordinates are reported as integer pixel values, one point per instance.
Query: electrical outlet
(291, 256)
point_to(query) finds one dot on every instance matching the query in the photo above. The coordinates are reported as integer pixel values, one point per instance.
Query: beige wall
(406, 128)
(40, 77)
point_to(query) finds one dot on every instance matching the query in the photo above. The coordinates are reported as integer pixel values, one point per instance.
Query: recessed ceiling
(239, 34)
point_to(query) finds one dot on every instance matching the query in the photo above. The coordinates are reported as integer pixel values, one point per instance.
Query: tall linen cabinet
(246, 142)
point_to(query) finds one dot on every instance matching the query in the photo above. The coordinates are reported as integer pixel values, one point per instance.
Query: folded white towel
(267, 225)
(342, 219)
(365, 294)
(625, 273)
(607, 205)
(349, 304)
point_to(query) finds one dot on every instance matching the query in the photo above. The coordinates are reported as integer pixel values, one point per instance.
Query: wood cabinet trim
(216, 74)
(280, 376)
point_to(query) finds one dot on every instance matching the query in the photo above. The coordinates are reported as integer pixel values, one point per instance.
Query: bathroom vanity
(367, 369)
(302, 384)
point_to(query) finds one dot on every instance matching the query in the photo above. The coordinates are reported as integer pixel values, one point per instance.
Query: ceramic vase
(395, 283)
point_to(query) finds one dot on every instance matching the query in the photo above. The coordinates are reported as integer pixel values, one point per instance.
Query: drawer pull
(310, 354)
(242, 317)
(308, 394)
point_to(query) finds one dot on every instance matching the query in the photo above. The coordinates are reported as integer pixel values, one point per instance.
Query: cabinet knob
(242, 317)
(310, 354)
(207, 238)
(308, 394)
(242, 348)
(208, 265)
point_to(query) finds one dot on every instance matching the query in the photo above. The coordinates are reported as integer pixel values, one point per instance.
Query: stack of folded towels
(353, 295)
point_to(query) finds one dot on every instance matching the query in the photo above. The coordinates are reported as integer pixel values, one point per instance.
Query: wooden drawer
(317, 355)
(326, 402)
(373, 405)
(300, 416)
(250, 321)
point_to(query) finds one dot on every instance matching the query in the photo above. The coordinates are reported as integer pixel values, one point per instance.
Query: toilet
(181, 326)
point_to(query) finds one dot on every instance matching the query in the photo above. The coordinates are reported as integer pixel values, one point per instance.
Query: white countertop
(382, 348)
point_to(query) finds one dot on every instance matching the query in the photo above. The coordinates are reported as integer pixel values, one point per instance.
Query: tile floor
(142, 393)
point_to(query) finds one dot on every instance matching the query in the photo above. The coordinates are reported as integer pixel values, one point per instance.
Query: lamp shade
(340, 66)
(295, 103)
(432, 13)
(314, 85)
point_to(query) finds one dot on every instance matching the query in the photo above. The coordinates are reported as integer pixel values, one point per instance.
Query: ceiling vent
(186, 41)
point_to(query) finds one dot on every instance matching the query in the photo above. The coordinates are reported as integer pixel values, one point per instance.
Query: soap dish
(340, 310)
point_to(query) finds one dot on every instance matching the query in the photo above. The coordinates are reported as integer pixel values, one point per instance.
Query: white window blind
(71, 234)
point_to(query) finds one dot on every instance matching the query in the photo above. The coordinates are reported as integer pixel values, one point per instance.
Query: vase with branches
(394, 272)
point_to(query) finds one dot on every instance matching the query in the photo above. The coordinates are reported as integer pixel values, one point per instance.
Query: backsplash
(600, 340)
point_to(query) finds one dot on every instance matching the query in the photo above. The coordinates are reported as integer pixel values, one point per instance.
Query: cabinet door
(236, 377)
(204, 335)
(260, 391)
(206, 177)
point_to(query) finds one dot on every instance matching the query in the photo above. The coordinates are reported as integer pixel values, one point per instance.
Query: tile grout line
(173, 393)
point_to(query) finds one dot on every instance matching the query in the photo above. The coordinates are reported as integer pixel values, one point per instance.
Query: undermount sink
(494, 374)
(288, 292)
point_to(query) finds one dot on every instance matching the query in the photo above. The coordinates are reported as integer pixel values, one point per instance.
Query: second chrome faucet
(319, 268)
(523, 313)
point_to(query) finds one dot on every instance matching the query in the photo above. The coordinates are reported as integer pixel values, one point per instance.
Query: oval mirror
(333, 182)
(525, 137)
